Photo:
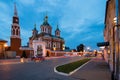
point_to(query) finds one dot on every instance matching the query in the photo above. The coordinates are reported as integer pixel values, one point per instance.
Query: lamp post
(113, 72)
(116, 50)
(117, 6)
(5, 45)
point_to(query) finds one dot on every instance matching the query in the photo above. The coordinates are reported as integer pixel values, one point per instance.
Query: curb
(65, 74)
(10, 63)
(5, 63)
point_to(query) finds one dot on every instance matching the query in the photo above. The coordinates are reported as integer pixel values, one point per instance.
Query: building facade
(45, 37)
(112, 35)
(2, 48)
(109, 30)
(40, 42)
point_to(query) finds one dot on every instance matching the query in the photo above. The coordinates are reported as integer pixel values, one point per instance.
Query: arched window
(47, 30)
(16, 31)
(49, 45)
(43, 29)
(13, 31)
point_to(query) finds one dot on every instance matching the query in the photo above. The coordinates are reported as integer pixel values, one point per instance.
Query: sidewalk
(96, 69)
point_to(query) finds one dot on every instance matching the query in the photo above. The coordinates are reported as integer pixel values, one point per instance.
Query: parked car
(38, 58)
(87, 55)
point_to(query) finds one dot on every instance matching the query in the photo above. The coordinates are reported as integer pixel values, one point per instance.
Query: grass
(67, 68)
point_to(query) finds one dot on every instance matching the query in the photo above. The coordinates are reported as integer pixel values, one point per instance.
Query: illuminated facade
(112, 35)
(52, 42)
(2, 48)
(108, 30)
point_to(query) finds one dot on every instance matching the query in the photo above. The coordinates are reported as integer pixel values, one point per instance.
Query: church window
(47, 30)
(43, 29)
(49, 45)
(16, 31)
(13, 32)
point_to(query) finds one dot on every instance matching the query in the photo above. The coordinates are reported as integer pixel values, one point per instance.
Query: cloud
(79, 20)
(27, 2)
(79, 16)
(5, 21)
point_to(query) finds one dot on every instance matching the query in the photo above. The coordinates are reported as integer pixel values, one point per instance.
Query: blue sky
(80, 21)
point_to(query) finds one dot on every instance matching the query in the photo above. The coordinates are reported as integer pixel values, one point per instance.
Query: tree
(67, 47)
(24, 55)
(80, 47)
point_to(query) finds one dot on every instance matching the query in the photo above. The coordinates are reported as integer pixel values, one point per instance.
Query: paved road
(35, 71)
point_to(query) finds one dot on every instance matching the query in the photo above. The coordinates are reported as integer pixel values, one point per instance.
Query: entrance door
(47, 54)
(39, 50)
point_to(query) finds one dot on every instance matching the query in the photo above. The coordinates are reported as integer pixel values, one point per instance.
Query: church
(45, 38)
(41, 42)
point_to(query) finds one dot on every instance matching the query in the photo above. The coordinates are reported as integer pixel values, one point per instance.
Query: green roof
(45, 23)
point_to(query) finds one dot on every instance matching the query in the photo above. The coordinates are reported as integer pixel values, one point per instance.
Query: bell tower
(15, 39)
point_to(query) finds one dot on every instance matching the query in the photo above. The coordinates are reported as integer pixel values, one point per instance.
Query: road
(35, 71)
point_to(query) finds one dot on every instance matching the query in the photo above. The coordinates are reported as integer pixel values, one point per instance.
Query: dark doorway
(47, 55)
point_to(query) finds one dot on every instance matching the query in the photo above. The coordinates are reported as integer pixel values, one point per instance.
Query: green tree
(80, 47)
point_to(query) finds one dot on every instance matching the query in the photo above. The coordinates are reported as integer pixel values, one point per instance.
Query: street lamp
(116, 51)
(5, 45)
(88, 49)
(54, 48)
(63, 48)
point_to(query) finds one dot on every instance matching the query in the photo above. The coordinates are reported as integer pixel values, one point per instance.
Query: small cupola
(57, 32)
(34, 31)
(45, 27)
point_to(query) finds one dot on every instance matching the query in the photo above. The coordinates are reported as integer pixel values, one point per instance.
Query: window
(13, 32)
(45, 29)
(16, 31)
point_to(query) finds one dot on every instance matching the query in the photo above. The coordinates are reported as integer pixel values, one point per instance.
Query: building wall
(50, 43)
(2, 49)
(112, 35)
(109, 31)
(15, 45)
